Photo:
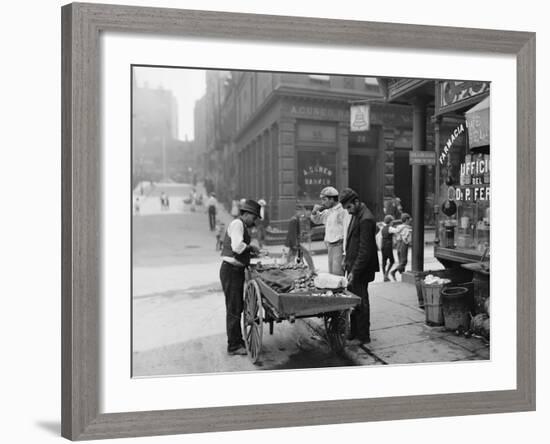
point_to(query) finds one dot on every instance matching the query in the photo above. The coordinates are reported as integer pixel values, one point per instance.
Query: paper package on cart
(332, 281)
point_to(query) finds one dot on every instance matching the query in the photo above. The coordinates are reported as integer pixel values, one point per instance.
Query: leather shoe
(239, 351)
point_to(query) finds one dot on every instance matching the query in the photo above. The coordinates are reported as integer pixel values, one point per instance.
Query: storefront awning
(478, 123)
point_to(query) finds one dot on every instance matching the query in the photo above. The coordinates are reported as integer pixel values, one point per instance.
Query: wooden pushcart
(263, 304)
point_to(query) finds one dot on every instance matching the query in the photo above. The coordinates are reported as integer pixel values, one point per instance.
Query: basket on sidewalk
(433, 308)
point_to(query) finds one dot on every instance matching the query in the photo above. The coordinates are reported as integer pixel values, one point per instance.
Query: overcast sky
(188, 85)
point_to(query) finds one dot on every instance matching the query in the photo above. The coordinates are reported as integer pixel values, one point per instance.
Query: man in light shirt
(211, 208)
(333, 216)
(236, 252)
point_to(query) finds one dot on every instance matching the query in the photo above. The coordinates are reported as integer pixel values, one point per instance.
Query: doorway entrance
(363, 175)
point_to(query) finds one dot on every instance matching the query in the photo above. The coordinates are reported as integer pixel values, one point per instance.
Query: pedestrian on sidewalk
(262, 223)
(211, 209)
(361, 260)
(388, 231)
(293, 234)
(332, 215)
(236, 252)
(404, 239)
(235, 208)
(220, 234)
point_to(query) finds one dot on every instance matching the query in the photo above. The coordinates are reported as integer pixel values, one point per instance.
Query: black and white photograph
(272, 222)
(287, 220)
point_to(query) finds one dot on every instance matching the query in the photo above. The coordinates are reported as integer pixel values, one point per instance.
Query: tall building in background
(157, 152)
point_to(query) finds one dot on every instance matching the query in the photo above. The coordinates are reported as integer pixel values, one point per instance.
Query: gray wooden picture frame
(81, 174)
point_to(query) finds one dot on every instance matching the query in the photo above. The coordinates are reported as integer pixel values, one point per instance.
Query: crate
(431, 294)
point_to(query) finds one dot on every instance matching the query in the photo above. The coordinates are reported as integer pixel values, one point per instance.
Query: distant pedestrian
(332, 215)
(220, 234)
(393, 208)
(361, 261)
(136, 206)
(387, 234)
(163, 201)
(262, 223)
(211, 209)
(292, 241)
(404, 240)
(235, 208)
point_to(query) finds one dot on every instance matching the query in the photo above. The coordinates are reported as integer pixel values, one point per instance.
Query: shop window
(316, 170)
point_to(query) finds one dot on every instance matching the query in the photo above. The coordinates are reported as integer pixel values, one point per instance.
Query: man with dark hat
(361, 260)
(236, 252)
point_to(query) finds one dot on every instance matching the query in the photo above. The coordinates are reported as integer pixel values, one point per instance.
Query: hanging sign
(359, 118)
(478, 124)
(421, 157)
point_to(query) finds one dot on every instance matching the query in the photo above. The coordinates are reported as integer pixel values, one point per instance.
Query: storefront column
(437, 143)
(388, 140)
(343, 155)
(287, 168)
(419, 183)
(267, 166)
(274, 170)
(261, 167)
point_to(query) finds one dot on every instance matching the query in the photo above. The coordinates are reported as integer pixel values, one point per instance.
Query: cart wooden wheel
(336, 326)
(253, 320)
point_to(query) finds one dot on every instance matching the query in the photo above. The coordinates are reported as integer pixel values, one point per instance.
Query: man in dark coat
(361, 260)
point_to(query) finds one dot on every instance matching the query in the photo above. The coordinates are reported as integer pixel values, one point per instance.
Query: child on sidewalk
(387, 233)
(220, 234)
(404, 239)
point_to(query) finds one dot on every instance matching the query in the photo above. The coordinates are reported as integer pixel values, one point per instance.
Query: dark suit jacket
(293, 234)
(361, 249)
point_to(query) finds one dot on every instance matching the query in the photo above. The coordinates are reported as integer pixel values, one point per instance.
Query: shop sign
(317, 112)
(421, 158)
(476, 170)
(316, 133)
(477, 122)
(359, 118)
(475, 179)
(452, 94)
(317, 175)
(472, 194)
(450, 141)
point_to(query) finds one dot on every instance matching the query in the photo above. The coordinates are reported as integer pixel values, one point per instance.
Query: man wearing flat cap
(361, 260)
(333, 216)
(236, 252)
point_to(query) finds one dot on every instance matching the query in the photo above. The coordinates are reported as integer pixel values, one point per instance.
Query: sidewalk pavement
(400, 335)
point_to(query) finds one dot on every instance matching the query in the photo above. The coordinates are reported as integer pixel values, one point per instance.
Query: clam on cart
(265, 304)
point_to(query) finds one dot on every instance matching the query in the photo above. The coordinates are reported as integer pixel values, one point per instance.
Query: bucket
(432, 303)
(456, 307)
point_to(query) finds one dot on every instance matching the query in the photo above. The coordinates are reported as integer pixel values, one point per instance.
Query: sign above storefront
(421, 158)
(453, 95)
(475, 179)
(359, 118)
(449, 143)
(477, 122)
(317, 112)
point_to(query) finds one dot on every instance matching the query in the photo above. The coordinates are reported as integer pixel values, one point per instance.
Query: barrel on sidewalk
(457, 305)
(430, 296)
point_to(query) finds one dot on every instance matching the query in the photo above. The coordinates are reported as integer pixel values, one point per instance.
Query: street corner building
(284, 137)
